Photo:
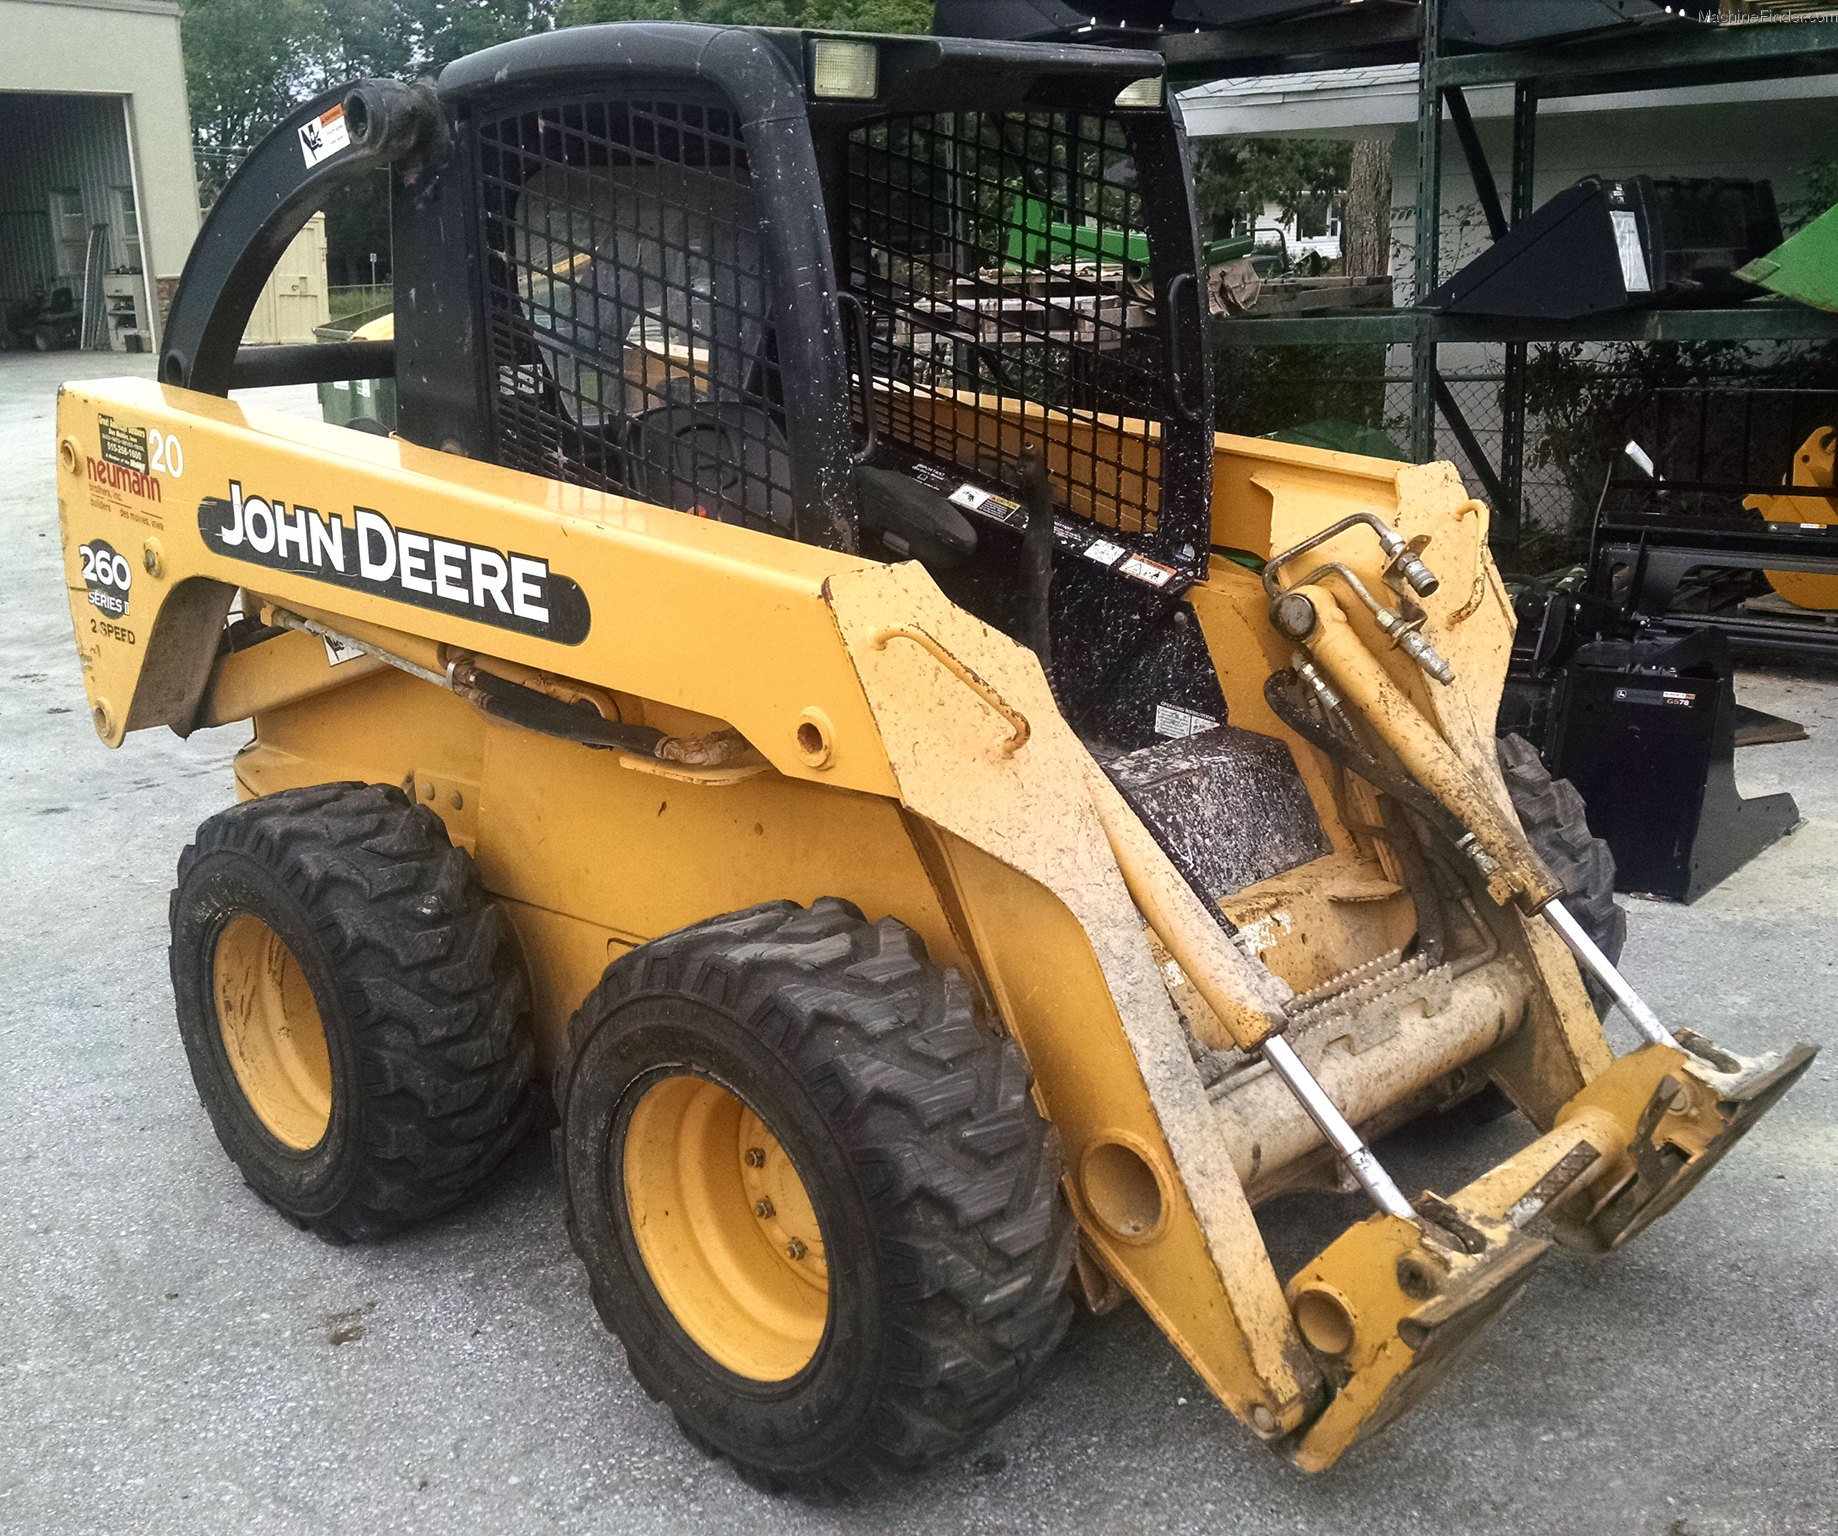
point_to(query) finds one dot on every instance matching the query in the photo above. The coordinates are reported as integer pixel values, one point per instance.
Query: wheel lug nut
(756, 1157)
(794, 1250)
(763, 1209)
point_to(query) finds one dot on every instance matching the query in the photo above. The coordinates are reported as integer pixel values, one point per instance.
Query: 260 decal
(108, 576)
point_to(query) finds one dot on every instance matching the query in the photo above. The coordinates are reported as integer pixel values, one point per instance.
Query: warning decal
(325, 135)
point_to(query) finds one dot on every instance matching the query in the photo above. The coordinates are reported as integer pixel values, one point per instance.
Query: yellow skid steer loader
(954, 832)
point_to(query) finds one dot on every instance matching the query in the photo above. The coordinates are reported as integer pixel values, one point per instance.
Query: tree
(1236, 178)
(445, 30)
(1366, 250)
(248, 62)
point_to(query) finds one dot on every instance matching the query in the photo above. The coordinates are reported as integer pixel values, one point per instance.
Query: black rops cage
(684, 253)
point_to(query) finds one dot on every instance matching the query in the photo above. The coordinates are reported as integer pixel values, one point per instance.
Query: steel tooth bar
(1346, 981)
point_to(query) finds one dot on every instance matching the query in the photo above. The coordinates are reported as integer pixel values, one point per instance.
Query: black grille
(1002, 260)
(1713, 445)
(628, 329)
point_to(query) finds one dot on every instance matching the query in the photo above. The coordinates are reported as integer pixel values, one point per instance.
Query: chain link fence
(1580, 400)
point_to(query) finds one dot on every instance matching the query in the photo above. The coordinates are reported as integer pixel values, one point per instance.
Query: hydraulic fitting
(1293, 615)
(1404, 563)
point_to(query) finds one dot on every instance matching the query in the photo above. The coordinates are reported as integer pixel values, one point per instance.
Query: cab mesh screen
(628, 332)
(1005, 270)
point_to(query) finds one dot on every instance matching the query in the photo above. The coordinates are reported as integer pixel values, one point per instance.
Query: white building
(96, 185)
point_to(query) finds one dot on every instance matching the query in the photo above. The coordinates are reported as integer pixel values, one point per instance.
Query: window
(130, 228)
(1003, 261)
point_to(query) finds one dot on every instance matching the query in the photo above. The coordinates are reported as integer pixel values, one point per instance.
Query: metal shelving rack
(1662, 57)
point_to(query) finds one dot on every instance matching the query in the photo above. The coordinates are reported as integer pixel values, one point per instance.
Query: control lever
(1034, 577)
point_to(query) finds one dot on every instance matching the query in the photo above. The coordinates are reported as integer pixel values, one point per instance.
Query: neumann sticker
(122, 477)
(108, 576)
(325, 135)
(368, 553)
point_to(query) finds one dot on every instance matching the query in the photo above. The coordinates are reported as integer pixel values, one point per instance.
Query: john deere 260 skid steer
(806, 686)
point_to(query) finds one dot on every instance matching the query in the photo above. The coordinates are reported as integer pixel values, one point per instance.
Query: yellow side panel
(1269, 495)
(569, 828)
(381, 729)
(564, 958)
(593, 856)
(682, 610)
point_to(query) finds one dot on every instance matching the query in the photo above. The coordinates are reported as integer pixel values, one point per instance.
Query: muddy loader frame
(761, 530)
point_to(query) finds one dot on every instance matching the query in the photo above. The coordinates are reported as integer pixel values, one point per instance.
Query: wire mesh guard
(1003, 264)
(999, 258)
(628, 329)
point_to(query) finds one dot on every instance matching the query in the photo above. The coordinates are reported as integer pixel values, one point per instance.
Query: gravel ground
(175, 1359)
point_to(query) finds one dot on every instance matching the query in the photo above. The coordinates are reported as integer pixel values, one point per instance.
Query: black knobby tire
(413, 972)
(1552, 814)
(934, 1178)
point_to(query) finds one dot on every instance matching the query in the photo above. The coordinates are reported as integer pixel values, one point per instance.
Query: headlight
(1141, 93)
(845, 70)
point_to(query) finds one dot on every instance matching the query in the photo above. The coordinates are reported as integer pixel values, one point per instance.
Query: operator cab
(843, 289)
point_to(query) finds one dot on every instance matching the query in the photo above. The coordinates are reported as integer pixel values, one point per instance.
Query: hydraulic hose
(1418, 880)
(1291, 707)
(1399, 798)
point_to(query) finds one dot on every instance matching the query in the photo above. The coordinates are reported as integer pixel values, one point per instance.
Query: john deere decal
(368, 553)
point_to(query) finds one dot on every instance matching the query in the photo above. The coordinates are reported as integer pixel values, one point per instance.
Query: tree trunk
(1367, 243)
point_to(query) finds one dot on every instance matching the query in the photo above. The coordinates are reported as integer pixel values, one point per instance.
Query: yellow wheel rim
(272, 1032)
(726, 1228)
